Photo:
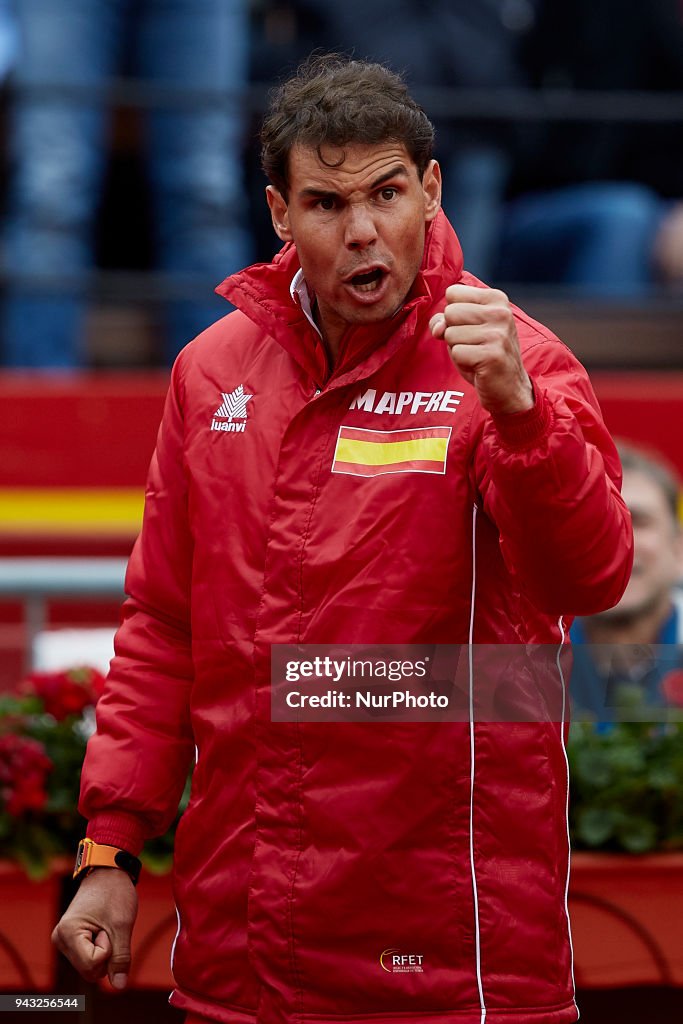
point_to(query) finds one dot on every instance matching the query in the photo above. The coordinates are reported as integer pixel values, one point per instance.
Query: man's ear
(279, 213)
(431, 186)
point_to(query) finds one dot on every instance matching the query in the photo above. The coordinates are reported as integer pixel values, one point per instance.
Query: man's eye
(326, 203)
(388, 194)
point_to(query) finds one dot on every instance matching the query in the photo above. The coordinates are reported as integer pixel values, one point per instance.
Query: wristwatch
(93, 855)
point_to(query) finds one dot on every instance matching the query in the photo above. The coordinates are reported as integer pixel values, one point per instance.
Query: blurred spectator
(595, 206)
(451, 44)
(8, 37)
(59, 151)
(446, 44)
(598, 204)
(625, 669)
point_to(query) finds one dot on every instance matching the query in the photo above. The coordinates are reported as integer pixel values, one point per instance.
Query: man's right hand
(95, 932)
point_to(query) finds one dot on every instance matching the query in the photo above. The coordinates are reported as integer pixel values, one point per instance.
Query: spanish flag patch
(361, 452)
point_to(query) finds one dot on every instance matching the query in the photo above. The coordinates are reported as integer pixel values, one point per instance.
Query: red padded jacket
(310, 850)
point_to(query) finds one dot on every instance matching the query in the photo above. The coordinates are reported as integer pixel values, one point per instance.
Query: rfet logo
(394, 961)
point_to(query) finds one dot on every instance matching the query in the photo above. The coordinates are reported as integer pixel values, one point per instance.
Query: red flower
(24, 767)
(672, 687)
(65, 693)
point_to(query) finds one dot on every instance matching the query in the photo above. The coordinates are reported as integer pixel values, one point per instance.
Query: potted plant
(626, 821)
(45, 723)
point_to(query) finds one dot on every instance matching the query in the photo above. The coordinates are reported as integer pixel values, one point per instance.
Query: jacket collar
(264, 293)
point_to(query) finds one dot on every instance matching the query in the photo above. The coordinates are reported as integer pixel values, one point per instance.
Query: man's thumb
(119, 964)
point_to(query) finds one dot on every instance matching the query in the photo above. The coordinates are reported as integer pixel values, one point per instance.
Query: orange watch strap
(96, 855)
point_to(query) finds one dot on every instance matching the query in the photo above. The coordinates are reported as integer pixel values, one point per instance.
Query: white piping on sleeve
(475, 891)
(560, 623)
(177, 914)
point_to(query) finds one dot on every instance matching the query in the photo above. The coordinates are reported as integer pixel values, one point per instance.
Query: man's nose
(359, 229)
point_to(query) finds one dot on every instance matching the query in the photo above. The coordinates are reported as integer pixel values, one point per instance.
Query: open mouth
(368, 282)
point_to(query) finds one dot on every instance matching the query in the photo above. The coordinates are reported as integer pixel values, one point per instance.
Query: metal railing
(454, 104)
(36, 581)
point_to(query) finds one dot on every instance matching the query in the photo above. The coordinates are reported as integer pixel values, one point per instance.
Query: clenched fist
(94, 933)
(479, 328)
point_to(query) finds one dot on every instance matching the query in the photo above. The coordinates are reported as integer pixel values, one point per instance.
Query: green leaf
(592, 766)
(663, 776)
(157, 863)
(595, 825)
(627, 759)
(34, 863)
(637, 834)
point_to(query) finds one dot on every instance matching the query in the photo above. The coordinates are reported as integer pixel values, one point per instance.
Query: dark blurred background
(131, 182)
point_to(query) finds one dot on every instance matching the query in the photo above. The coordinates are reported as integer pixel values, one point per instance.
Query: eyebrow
(399, 171)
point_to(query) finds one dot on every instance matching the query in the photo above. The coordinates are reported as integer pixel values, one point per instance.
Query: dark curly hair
(336, 100)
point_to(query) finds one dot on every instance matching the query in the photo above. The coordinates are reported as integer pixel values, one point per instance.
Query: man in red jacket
(374, 449)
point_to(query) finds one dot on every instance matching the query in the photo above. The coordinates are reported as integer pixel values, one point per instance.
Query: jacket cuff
(518, 431)
(117, 829)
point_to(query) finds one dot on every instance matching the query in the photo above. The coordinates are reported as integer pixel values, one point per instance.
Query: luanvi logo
(393, 961)
(231, 415)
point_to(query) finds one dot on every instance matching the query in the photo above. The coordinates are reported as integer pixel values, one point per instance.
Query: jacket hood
(262, 292)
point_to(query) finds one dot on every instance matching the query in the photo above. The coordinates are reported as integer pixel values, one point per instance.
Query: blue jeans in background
(595, 237)
(473, 198)
(59, 148)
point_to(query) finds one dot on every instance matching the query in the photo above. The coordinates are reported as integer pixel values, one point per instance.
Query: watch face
(79, 858)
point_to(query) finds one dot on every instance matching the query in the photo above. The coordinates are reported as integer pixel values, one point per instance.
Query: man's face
(658, 548)
(359, 228)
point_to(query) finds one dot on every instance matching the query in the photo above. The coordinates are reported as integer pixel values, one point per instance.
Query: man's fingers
(478, 308)
(94, 955)
(102, 945)
(457, 313)
(467, 335)
(466, 356)
(98, 952)
(89, 958)
(478, 326)
(480, 296)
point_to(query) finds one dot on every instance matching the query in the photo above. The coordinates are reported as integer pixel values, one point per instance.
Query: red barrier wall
(98, 429)
(646, 409)
(81, 430)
